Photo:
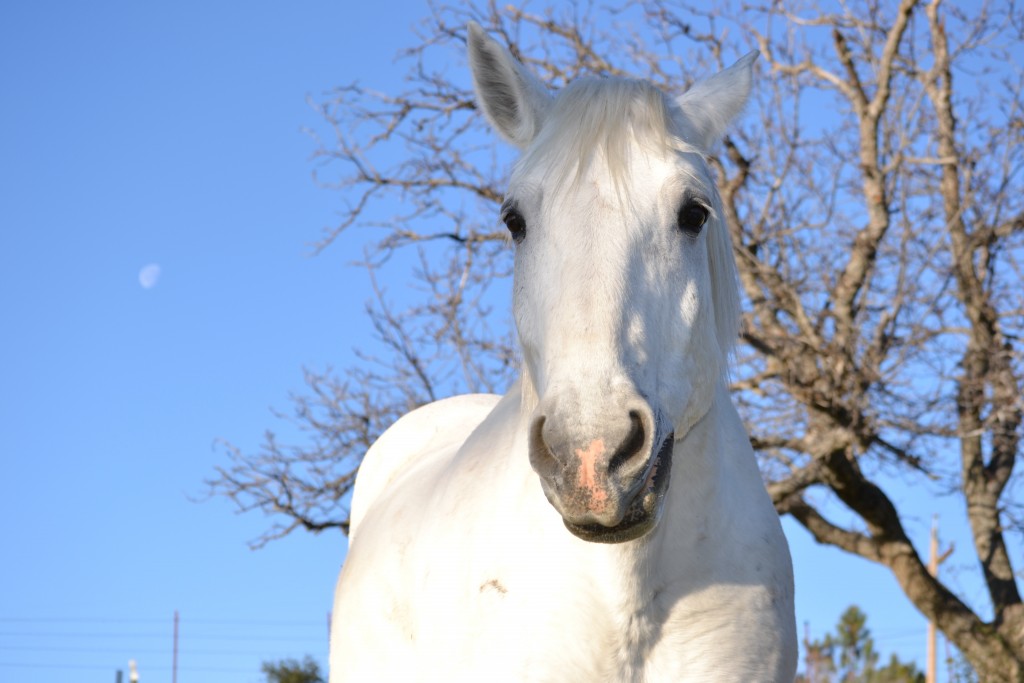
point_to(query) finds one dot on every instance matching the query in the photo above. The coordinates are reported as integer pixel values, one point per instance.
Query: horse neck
(717, 509)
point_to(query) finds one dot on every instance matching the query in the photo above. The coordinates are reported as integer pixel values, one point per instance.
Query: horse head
(625, 296)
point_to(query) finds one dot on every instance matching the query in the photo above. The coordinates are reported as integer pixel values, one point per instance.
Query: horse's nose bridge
(585, 291)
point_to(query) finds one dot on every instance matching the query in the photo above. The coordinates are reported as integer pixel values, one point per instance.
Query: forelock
(609, 117)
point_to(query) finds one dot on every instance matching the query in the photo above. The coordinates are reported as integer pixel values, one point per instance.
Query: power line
(190, 637)
(91, 667)
(54, 638)
(145, 651)
(25, 665)
(110, 620)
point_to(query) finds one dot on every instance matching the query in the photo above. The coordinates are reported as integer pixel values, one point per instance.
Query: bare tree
(874, 197)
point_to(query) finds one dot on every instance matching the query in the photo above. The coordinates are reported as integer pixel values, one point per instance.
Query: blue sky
(171, 133)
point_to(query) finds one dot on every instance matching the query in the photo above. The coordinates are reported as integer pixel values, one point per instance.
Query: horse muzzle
(609, 482)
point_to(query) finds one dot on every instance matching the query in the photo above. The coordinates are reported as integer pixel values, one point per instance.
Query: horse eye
(515, 223)
(692, 217)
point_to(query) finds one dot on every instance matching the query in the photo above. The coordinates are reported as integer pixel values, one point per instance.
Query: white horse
(605, 520)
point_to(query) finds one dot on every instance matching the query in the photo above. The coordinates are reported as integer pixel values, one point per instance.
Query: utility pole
(934, 560)
(174, 658)
(812, 658)
(807, 651)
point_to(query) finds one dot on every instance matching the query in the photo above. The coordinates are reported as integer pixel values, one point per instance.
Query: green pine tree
(849, 656)
(293, 671)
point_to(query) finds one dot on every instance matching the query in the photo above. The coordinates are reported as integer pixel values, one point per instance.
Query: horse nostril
(632, 445)
(541, 457)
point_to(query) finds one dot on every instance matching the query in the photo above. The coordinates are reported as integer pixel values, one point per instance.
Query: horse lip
(644, 510)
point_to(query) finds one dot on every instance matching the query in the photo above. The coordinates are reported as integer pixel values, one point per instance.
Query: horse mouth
(645, 509)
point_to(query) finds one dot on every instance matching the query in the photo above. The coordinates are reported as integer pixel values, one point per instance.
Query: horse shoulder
(428, 428)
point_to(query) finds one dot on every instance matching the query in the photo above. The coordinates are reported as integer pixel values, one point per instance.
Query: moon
(149, 275)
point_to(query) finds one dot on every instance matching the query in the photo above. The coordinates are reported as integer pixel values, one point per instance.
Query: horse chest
(493, 598)
(516, 627)
(512, 628)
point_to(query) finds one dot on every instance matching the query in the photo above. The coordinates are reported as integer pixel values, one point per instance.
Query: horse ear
(711, 105)
(511, 97)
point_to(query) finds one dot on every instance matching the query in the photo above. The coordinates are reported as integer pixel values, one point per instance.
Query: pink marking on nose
(588, 472)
